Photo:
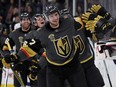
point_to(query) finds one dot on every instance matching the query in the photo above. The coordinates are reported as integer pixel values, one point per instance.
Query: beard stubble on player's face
(25, 24)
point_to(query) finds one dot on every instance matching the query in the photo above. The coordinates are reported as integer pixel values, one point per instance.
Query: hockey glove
(88, 16)
(100, 10)
(11, 58)
(98, 25)
(18, 66)
(34, 69)
(7, 65)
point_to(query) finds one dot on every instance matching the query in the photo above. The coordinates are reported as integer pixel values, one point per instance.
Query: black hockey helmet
(35, 17)
(24, 15)
(50, 9)
(38, 15)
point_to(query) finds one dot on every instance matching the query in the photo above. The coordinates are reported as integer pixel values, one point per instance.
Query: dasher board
(108, 71)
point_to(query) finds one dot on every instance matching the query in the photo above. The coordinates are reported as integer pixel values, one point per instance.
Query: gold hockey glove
(88, 16)
(100, 10)
(98, 25)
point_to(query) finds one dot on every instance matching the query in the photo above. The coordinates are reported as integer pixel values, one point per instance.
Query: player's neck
(25, 29)
(54, 26)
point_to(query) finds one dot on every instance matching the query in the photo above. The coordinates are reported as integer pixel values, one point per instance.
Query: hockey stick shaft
(15, 72)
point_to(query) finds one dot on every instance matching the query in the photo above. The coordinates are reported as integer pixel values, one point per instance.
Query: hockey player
(62, 62)
(86, 56)
(2, 40)
(38, 22)
(16, 39)
(97, 25)
(81, 46)
(80, 43)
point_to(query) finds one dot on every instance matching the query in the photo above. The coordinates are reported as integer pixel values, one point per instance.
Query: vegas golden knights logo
(78, 44)
(62, 45)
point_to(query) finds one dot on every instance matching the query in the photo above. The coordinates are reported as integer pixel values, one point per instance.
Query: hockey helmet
(34, 18)
(38, 15)
(24, 15)
(50, 9)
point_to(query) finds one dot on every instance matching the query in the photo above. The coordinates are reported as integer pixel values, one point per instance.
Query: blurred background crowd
(11, 9)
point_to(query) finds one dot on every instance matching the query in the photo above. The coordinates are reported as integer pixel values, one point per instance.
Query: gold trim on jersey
(28, 51)
(86, 59)
(79, 20)
(57, 64)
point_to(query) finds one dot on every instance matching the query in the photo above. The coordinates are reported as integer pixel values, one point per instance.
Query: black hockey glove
(34, 69)
(98, 25)
(18, 66)
(100, 10)
(88, 16)
(9, 59)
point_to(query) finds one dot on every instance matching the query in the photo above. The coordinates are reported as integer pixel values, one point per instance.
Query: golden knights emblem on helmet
(62, 45)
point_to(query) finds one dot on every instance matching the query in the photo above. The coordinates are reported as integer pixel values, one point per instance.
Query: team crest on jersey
(78, 44)
(21, 39)
(62, 45)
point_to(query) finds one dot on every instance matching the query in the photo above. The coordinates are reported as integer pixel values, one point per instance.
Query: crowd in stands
(11, 9)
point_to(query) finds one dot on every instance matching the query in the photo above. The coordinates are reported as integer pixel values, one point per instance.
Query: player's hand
(100, 10)
(90, 25)
(6, 65)
(88, 16)
(18, 66)
(98, 25)
(34, 69)
(10, 58)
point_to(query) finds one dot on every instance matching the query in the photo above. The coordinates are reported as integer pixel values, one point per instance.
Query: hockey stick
(14, 71)
(7, 72)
